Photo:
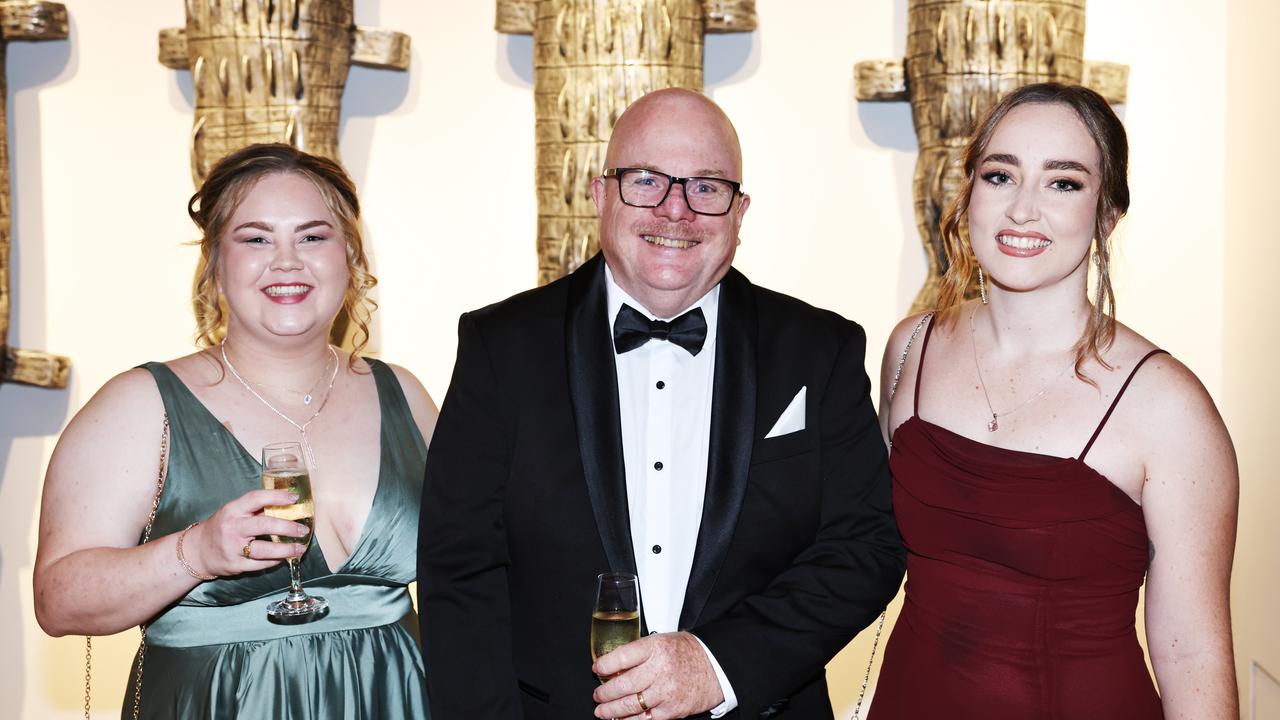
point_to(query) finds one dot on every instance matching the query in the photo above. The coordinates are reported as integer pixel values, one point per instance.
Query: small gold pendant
(993, 425)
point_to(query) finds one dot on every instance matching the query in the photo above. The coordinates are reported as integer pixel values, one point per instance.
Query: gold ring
(644, 706)
(245, 550)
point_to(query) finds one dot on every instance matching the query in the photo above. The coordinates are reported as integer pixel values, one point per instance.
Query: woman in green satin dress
(283, 256)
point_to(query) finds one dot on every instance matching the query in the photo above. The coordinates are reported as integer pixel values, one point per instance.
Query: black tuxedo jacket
(525, 503)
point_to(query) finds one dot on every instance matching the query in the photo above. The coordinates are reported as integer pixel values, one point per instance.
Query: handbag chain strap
(146, 537)
(893, 390)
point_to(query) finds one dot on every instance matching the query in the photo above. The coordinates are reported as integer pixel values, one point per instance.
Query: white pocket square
(792, 419)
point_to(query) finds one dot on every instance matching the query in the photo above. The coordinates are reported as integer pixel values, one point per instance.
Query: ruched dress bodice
(1023, 572)
(214, 655)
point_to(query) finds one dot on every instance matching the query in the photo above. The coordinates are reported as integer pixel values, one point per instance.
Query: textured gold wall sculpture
(272, 71)
(962, 57)
(593, 58)
(23, 20)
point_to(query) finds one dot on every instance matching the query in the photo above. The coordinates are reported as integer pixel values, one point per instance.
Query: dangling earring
(982, 286)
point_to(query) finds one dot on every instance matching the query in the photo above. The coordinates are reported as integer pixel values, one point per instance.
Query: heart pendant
(993, 425)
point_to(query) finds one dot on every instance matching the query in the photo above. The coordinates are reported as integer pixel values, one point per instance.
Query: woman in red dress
(1047, 458)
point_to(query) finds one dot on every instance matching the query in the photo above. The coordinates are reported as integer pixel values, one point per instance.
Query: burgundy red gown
(1022, 584)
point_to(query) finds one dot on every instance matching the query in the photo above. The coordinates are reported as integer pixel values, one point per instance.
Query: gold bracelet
(183, 561)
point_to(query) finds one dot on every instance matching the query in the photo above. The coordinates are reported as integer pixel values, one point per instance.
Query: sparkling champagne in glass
(283, 468)
(615, 621)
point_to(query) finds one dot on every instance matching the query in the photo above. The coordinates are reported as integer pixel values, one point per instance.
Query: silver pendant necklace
(994, 425)
(302, 429)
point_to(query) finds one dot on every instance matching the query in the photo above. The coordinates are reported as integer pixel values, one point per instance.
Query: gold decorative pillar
(272, 71)
(593, 58)
(962, 57)
(23, 20)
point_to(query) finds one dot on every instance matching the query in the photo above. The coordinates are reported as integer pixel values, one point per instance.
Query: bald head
(669, 255)
(662, 111)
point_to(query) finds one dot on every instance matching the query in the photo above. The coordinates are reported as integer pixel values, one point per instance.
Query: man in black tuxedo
(654, 412)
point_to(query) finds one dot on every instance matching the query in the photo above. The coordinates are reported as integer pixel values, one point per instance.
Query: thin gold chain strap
(88, 673)
(146, 536)
(866, 679)
(875, 642)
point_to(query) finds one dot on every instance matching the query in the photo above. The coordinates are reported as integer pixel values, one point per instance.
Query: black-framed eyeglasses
(644, 188)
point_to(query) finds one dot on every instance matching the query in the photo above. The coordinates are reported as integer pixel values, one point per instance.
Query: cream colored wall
(1252, 337)
(443, 156)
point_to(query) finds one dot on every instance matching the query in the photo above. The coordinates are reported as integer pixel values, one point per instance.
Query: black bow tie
(631, 329)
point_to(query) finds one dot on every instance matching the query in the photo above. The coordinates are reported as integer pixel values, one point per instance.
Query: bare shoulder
(897, 370)
(126, 410)
(420, 402)
(199, 369)
(903, 331)
(121, 423)
(413, 388)
(900, 342)
(1169, 408)
(1166, 389)
(106, 458)
(121, 402)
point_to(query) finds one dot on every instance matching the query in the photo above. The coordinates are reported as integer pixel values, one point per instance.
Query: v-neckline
(244, 452)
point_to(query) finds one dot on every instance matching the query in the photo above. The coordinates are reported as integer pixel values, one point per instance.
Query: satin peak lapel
(593, 391)
(733, 420)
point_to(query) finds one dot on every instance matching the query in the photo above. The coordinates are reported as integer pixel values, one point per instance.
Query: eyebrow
(1065, 165)
(264, 227)
(1008, 159)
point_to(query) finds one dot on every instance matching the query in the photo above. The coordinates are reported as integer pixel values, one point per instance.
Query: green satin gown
(214, 655)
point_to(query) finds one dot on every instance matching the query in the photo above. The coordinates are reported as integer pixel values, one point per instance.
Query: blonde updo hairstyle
(1113, 202)
(227, 185)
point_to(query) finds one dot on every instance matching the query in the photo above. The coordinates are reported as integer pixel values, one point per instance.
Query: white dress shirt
(664, 403)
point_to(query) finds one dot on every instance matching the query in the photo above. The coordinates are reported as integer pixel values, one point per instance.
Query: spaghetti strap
(1116, 401)
(924, 345)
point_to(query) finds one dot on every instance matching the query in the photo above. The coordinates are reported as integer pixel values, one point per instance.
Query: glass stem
(295, 577)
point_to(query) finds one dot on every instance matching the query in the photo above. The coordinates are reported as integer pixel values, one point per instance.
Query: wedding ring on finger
(644, 706)
(247, 549)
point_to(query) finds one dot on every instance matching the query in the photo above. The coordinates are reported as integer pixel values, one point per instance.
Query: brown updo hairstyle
(1113, 202)
(221, 194)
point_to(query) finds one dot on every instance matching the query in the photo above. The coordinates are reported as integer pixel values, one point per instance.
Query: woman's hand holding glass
(228, 543)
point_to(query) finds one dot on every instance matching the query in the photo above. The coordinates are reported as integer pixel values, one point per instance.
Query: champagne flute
(615, 621)
(283, 468)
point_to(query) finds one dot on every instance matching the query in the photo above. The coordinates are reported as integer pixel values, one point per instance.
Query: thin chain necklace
(994, 425)
(302, 429)
(307, 396)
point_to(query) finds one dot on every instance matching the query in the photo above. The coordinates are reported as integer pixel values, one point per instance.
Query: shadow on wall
(42, 414)
(369, 94)
(515, 59)
(27, 414)
(729, 57)
(889, 126)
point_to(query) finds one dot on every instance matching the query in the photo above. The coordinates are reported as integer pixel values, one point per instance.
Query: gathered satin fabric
(214, 655)
(1023, 573)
